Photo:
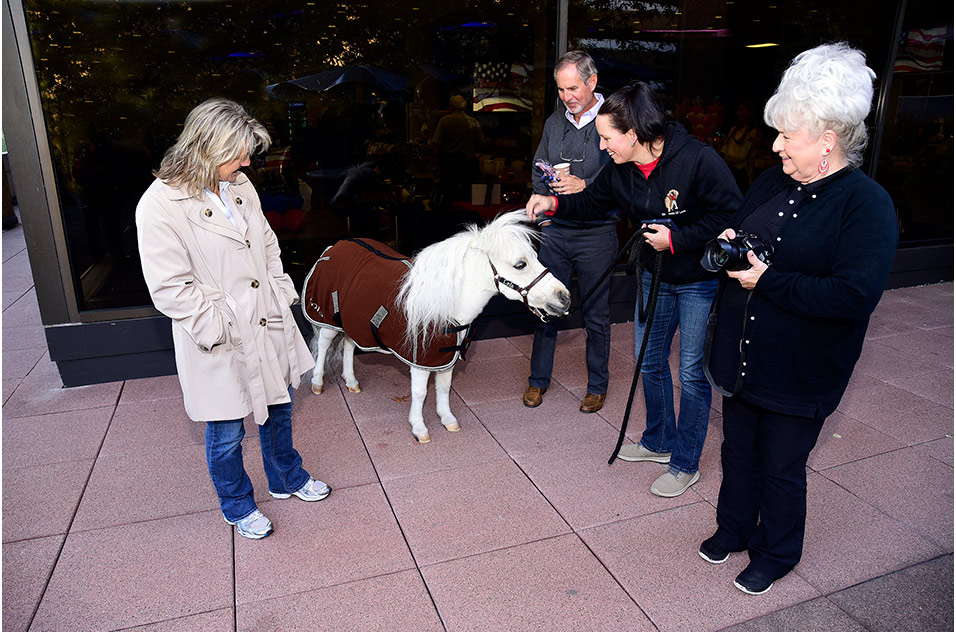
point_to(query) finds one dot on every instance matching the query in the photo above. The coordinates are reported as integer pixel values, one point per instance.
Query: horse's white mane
(432, 288)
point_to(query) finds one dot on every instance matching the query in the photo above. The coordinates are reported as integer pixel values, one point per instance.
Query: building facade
(94, 92)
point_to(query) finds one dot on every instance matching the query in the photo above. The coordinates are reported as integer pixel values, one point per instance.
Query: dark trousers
(762, 506)
(587, 252)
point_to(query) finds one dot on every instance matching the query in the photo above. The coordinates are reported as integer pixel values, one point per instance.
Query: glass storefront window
(351, 91)
(720, 60)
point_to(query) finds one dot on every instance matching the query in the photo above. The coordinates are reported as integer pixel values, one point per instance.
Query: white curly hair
(827, 87)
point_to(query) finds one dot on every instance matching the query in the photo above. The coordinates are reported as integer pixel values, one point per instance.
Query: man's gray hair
(580, 60)
(216, 132)
(827, 87)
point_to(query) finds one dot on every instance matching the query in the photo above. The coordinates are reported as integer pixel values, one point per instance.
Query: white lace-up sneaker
(312, 491)
(255, 526)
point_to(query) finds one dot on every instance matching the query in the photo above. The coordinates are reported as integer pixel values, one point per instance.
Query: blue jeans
(686, 306)
(282, 463)
(587, 252)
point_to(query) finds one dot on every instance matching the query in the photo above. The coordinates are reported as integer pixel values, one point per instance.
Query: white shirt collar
(589, 115)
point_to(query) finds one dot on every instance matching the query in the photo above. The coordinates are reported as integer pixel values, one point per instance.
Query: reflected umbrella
(376, 78)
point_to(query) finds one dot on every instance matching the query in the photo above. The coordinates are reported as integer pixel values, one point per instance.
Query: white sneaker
(255, 526)
(312, 491)
(673, 483)
(637, 452)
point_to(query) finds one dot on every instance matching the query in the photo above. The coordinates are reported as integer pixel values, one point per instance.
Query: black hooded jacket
(706, 196)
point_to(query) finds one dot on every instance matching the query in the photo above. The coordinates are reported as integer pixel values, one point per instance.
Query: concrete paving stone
(11, 294)
(149, 388)
(26, 568)
(311, 410)
(42, 392)
(940, 449)
(936, 386)
(396, 453)
(898, 413)
(616, 404)
(554, 584)
(140, 427)
(329, 443)
(525, 343)
(54, 438)
(844, 440)
(816, 615)
(15, 249)
(455, 513)
(571, 369)
(9, 386)
(133, 487)
(711, 472)
(655, 559)
(587, 491)
(23, 312)
(349, 536)
(886, 363)
(387, 603)
(41, 501)
(386, 388)
(915, 491)
(931, 346)
(554, 424)
(491, 348)
(140, 573)
(916, 598)
(23, 337)
(848, 540)
(492, 380)
(222, 620)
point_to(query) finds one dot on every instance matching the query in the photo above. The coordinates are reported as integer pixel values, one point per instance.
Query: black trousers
(762, 506)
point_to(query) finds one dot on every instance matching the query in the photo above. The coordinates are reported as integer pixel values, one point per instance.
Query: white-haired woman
(785, 337)
(212, 265)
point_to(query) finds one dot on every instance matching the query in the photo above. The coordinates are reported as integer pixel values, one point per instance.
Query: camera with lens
(731, 254)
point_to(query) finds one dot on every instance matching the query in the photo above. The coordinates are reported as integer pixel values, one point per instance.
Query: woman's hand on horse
(538, 204)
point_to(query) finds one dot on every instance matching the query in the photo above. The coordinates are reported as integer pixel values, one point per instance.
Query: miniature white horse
(443, 290)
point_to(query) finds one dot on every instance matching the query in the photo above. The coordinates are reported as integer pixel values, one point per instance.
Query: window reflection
(351, 92)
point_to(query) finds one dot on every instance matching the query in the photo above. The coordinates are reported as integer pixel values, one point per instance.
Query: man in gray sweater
(569, 248)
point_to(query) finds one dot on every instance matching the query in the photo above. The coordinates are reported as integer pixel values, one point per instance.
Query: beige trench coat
(237, 345)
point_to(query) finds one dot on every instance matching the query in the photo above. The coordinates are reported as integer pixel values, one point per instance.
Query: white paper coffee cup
(562, 169)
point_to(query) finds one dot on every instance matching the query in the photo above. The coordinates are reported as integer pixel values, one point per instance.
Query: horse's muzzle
(559, 305)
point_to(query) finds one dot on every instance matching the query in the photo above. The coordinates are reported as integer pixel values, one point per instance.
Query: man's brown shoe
(593, 403)
(532, 396)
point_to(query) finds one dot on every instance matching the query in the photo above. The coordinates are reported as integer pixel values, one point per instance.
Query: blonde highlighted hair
(827, 87)
(216, 132)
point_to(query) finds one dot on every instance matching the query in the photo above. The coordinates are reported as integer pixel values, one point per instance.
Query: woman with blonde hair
(786, 334)
(212, 265)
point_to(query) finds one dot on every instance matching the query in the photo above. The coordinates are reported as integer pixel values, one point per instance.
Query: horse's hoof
(453, 427)
(316, 389)
(423, 438)
(355, 389)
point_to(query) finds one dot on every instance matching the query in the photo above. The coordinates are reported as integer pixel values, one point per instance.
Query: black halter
(523, 291)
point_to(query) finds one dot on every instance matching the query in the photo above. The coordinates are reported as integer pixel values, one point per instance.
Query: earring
(633, 142)
(824, 166)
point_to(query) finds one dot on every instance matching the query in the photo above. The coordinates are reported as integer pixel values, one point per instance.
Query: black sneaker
(753, 582)
(712, 551)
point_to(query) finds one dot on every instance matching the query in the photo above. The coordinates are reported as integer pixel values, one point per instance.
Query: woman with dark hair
(660, 172)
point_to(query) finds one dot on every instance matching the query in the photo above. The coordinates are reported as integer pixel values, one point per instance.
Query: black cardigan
(806, 319)
(706, 196)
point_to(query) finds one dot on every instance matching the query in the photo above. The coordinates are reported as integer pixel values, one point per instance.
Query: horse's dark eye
(521, 264)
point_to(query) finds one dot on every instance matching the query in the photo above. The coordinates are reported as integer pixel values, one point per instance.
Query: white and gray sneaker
(255, 526)
(312, 491)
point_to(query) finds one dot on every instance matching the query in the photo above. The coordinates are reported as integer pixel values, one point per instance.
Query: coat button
(239, 201)
(208, 212)
(262, 322)
(248, 244)
(255, 283)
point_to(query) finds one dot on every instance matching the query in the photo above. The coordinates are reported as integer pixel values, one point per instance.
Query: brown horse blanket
(352, 288)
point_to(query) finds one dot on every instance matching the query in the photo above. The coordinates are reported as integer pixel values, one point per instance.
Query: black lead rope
(646, 317)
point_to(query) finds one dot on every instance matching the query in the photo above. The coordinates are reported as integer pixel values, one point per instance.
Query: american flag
(502, 87)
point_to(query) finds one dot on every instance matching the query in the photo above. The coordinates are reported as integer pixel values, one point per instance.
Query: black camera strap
(645, 315)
